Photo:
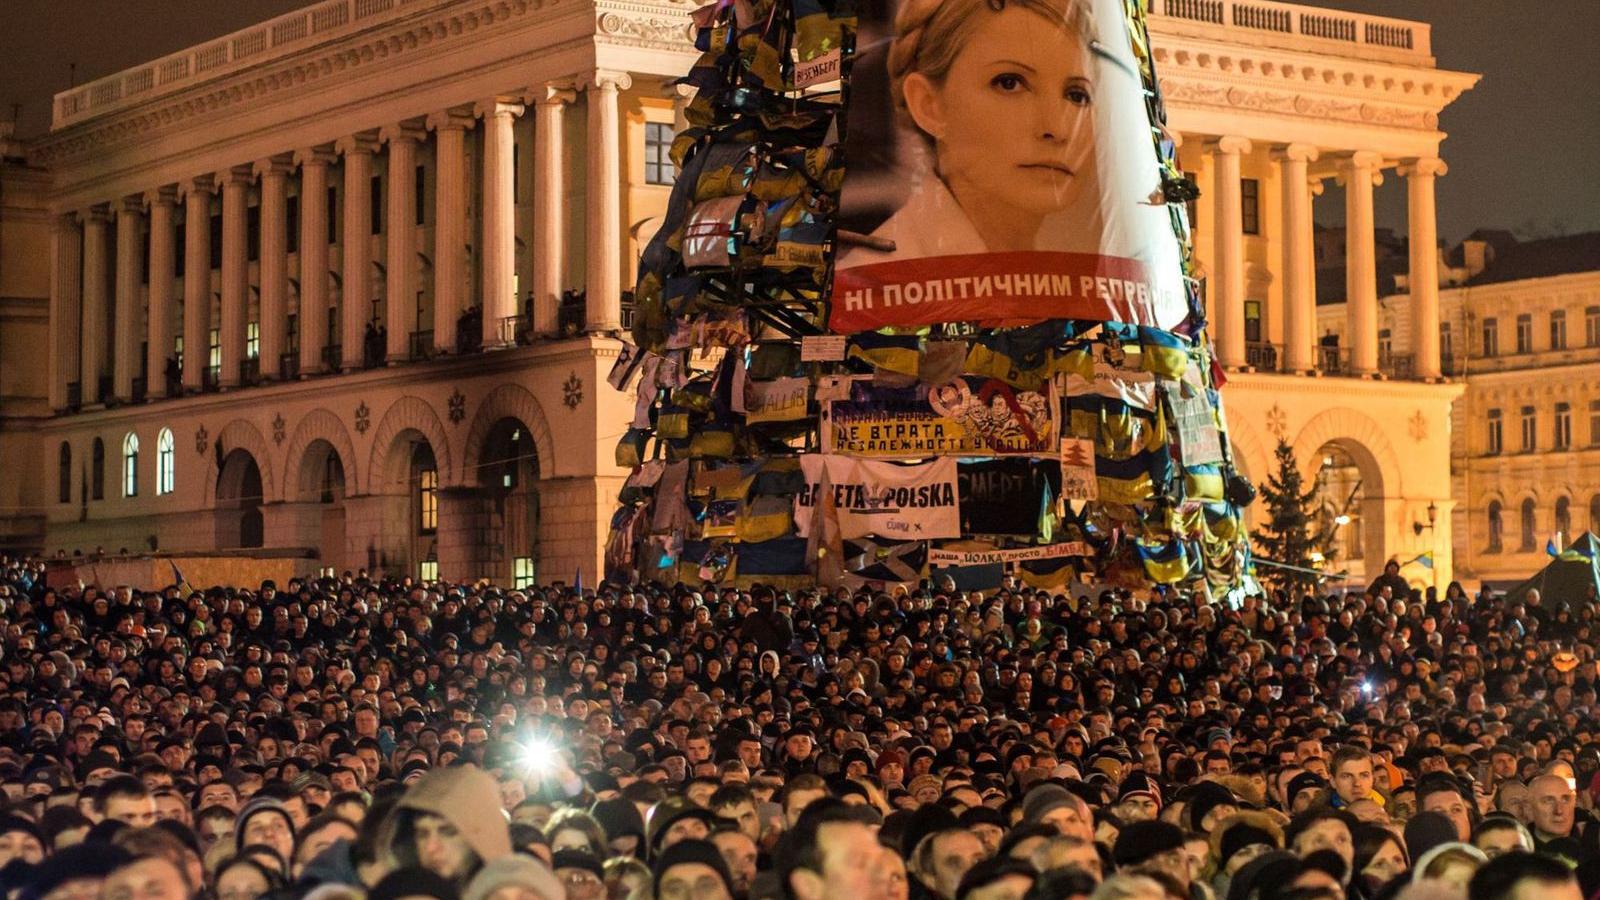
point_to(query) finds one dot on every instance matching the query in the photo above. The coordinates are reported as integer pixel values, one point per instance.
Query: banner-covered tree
(1288, 535)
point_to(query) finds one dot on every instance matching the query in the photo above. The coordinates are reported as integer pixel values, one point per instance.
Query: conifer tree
(1288, 535)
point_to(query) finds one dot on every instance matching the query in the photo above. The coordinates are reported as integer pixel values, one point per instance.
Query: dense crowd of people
(355, 737)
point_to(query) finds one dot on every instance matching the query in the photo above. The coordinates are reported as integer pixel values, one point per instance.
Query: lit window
(428, 500)
(166, 463)
(428, 570)
(522, 573)
(130, 465)
(252, 340)
(658, 167)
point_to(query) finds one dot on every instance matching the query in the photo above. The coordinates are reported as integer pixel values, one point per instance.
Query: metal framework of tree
(732, 391)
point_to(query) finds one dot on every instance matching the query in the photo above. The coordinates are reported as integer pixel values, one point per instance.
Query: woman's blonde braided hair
(929, 33)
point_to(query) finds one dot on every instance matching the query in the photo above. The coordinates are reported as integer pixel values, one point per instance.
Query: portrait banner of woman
(1000, 169)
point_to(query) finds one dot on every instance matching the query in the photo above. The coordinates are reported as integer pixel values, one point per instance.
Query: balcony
(104, 392)
(139, 390)
(74, 396)
(250, 370)
(332, 357)
(570, 314)
(513, 330)
(1293, 26)
(420, 344)
(289, 365)
(211, 380)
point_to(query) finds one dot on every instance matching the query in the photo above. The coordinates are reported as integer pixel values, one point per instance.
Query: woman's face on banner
(1013, 119)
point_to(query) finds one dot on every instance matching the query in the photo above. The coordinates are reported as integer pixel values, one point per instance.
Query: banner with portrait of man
(1001, 170)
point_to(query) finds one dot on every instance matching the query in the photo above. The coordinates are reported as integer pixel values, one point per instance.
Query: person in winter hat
(450, 823)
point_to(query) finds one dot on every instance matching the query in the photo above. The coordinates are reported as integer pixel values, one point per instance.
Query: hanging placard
(822, 348)
(939, 557)
(1078, 481)
(970, 416)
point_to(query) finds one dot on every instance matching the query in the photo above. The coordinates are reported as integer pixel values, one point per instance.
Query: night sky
(1523, 147)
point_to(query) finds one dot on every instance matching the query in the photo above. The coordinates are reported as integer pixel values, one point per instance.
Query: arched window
(1564, 519)
(1496, 529)
(130, 465)
(166, 464)
(97, 471)
(64, 474)
(1529, 539)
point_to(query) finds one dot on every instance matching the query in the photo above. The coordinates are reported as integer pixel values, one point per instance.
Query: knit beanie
(692, 850)
(1043, 799)
(1139, 841)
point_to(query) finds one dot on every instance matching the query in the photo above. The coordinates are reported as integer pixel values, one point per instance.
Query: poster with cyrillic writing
(968, 416)
(879, 497)
(1000, 170)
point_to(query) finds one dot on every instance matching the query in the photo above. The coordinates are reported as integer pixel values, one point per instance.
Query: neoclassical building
(345, 286)
(1520, 323)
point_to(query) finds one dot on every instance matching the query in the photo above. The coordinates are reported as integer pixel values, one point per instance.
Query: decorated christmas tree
(923, 303)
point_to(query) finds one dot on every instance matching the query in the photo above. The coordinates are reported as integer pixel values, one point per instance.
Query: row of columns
(1359, 172)
(79, 258)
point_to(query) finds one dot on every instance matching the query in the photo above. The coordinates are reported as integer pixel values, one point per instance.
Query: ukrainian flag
(1165, 563)
(1163, 352)
(1202, 482)
(898, 353)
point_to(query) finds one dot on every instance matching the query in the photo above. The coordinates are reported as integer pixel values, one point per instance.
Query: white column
(499, 222)
(159, 336)
(274, 260)
(681, 95)
(449, 225)
(355, 307)
(1299, 259)
(66, 259)
(235, 271)
(603, 245)
(126, 330)
(1422, 217)
(196, 281)
(93, 355)
(313, 255)
(400, 269)
(549, 210)
(1360, 174)
(1227, 278)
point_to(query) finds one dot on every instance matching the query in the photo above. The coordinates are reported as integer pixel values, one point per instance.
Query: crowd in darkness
(361, 737)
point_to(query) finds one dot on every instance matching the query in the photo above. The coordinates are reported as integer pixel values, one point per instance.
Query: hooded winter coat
(469, 799)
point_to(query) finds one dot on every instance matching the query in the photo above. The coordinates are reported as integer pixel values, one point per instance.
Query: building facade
(1520, 326)
(346, 285)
